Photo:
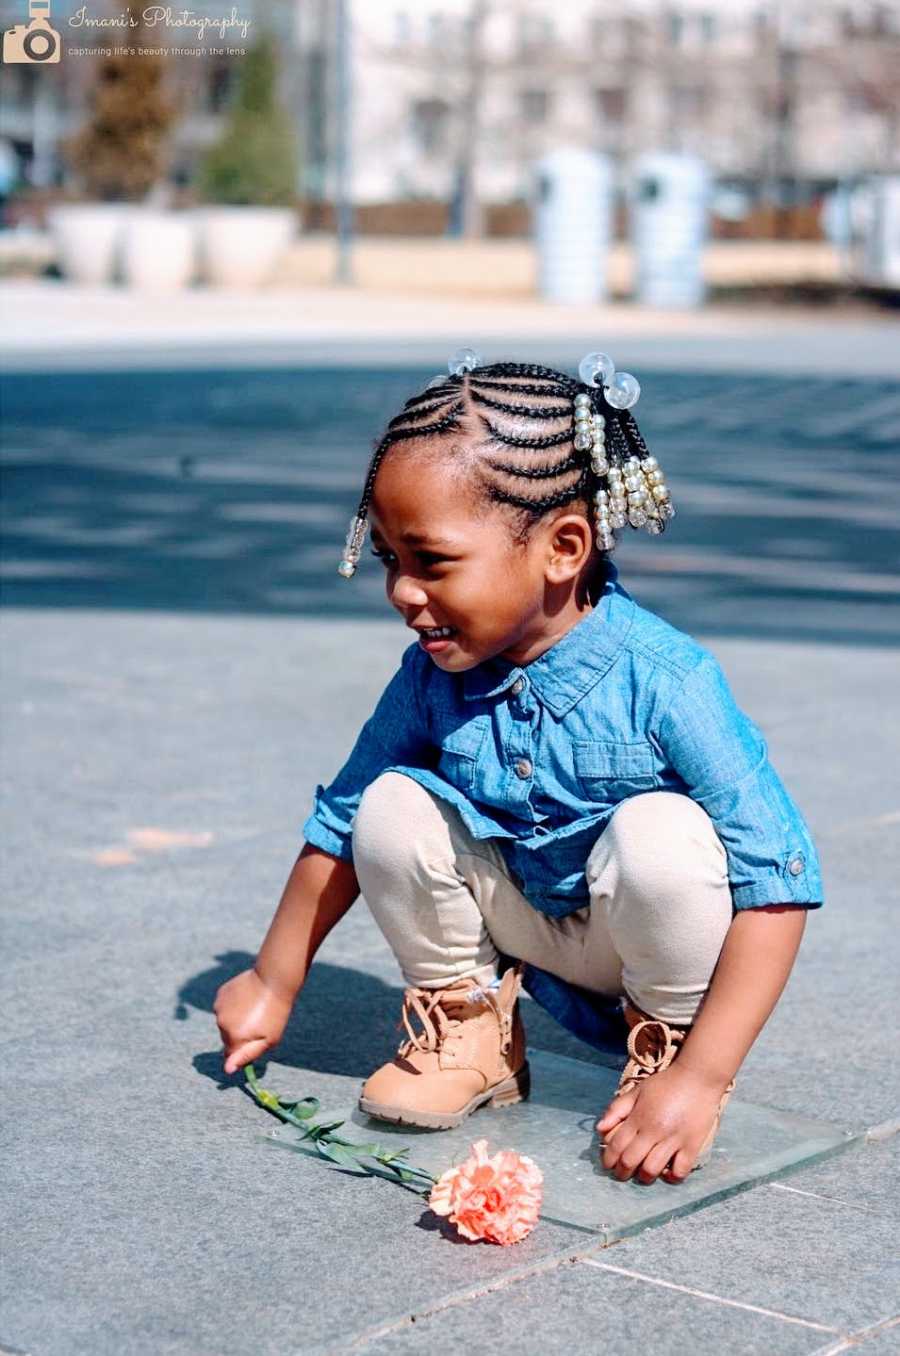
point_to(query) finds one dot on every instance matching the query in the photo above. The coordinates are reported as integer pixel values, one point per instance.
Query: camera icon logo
(35, 41)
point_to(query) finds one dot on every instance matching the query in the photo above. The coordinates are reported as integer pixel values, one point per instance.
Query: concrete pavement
(182, 665)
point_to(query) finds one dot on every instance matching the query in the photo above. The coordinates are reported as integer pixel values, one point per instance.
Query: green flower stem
(345, 1149)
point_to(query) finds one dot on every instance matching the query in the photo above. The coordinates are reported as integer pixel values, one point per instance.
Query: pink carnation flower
(496, 1199)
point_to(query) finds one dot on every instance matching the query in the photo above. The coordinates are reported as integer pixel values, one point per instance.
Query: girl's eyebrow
(416, 539)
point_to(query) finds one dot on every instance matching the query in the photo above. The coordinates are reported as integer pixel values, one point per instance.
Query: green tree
(255, 162)
(122, 150)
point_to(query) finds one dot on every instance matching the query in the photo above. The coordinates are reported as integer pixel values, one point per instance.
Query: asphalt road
(231, 492)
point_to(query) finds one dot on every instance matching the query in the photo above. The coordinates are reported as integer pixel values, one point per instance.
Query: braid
(522, 408)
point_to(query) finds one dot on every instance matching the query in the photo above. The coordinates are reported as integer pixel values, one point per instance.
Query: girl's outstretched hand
(251, 1018)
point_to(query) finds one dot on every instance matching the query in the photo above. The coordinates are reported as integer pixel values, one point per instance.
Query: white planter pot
(242, 246)
(88, 238)
(159, 250)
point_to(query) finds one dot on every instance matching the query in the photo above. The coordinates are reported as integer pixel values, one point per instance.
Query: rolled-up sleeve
(395, 733)
(722, 758)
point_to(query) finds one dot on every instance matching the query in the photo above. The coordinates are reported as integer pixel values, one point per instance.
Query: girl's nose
(407, 593)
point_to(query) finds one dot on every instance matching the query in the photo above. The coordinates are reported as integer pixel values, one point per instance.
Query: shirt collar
(564, 673)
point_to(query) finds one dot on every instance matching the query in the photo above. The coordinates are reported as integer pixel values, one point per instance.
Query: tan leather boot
(652, 1046)
(471, 1050)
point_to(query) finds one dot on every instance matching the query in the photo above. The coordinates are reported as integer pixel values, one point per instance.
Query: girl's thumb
(617, 1110)
(244, 1054)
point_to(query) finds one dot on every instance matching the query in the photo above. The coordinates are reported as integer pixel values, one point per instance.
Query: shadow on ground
(232, 491)
(344, 1022)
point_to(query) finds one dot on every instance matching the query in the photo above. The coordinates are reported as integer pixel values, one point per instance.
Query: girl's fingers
(680, 1167)
(616, 1145)
(633, 1155)
(618, 1109)
(250, 1050)
(656, 1160)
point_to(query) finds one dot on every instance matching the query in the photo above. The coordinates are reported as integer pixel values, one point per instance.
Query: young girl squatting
(556, 789)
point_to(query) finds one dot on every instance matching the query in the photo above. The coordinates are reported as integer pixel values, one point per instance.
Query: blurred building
(453, 100)
(779, 97)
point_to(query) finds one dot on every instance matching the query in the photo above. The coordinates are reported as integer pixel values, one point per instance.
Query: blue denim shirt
(538, 757)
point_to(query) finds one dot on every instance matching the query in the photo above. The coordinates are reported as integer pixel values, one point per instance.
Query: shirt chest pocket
(607, 771)
(460, 751)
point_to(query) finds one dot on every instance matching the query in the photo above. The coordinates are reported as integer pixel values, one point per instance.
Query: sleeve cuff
(316, 833)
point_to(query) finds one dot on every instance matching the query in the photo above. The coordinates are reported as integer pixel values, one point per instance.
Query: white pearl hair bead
(463, 360)
(623, 391)
(595, 365)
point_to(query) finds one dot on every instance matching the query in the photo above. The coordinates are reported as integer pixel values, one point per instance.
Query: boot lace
(428, 1006)
(660, 1047)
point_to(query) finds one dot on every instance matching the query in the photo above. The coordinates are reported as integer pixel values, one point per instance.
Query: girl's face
(446, 565)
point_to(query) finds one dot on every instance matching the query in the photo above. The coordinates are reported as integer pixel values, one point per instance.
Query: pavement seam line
(705, 1294)
(817, 1196)
(546, 1264)
(856, 1339)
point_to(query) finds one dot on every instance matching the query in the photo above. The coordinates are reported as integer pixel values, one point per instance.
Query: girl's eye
(426, 557)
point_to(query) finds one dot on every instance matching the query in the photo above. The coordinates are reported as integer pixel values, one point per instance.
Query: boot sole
(511, 1090)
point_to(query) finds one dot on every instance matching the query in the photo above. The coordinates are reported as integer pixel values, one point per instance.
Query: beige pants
(657, 879)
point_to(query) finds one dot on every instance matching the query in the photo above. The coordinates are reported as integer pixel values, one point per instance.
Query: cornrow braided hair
(543, 440)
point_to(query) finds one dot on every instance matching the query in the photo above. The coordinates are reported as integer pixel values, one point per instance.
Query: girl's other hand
(662, 1122)
(251, 1018)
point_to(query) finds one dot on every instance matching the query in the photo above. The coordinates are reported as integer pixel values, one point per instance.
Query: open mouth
(436, 637)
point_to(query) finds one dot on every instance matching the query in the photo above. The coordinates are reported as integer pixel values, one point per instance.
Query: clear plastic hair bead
(436, 381)
(623, 391)
(463, 360)
(594, 365)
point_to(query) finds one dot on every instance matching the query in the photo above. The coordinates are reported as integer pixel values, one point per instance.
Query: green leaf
(388, 1155)
(305, 1109)
(326, 1129)
(339, 1154)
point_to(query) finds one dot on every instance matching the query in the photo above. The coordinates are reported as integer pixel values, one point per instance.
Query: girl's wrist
(712, 1074)
(285, 993)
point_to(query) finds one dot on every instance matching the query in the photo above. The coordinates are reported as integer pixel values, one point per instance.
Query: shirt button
(518, 685)
(523, 768)
(795, 866)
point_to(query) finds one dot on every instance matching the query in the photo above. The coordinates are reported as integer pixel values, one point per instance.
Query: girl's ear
(569, 546)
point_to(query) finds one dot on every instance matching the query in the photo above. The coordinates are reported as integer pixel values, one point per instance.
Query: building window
(708, 27)
(430, 118)
(536, 32)
(675, 27)
(609, 105)
(534, 105)
(402, 28)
